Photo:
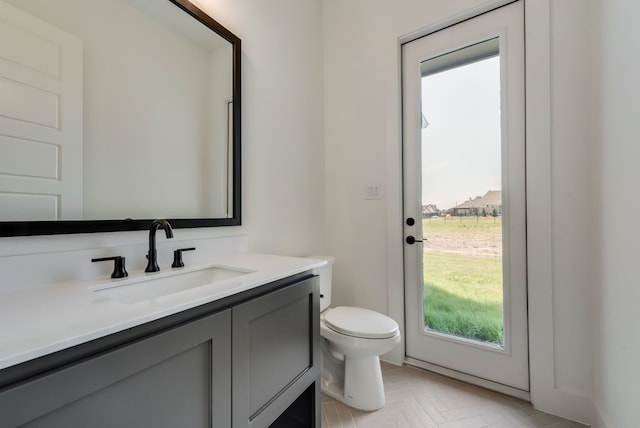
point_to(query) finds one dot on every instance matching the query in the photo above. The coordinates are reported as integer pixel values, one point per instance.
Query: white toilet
(352, 341)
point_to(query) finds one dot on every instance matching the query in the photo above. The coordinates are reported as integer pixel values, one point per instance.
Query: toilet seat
(360, 322)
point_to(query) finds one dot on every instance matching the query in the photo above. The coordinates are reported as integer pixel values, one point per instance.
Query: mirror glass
(115, 112)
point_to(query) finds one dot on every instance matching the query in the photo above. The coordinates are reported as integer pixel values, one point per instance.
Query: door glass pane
(461, 194)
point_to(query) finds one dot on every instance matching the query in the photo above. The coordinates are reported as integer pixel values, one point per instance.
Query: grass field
(463, 277)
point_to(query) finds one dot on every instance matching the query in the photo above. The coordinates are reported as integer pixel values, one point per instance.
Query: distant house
(481, 205)
(430, 210)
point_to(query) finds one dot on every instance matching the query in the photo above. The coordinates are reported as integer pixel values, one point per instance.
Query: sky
(461, 146)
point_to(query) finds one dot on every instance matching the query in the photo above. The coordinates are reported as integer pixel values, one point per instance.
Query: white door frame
(494, 366)
(545, 395)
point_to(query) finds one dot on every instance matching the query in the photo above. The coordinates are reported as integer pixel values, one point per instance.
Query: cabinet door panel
(273, 351)
(176, 378)
(279, 350)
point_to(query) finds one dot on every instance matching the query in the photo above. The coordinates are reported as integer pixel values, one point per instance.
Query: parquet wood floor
(418, 399)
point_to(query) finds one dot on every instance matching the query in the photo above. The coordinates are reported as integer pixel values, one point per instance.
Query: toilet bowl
(352, 341)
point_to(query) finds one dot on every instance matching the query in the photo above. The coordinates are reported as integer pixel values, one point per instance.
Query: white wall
(616, 154)
(282, 108)
(362, 146)
(282, 147)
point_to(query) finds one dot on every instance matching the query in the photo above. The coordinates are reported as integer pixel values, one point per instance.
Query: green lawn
(463, 289)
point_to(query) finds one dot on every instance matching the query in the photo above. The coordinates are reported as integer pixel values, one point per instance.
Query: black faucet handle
(177, 257)
(119, 270)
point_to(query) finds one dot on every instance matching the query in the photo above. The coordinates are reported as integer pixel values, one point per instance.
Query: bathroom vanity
(240, 353)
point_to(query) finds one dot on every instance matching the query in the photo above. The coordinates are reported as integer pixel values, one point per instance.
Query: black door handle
(411, 240)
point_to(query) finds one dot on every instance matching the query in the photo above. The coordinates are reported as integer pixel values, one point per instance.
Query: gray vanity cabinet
(178, 378)
(250, 360)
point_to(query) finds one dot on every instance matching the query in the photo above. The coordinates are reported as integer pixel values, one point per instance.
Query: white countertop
(38, 321)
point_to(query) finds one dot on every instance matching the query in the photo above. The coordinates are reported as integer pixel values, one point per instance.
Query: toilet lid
(360, 322)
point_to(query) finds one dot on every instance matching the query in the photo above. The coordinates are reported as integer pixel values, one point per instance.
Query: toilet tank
(324, 273)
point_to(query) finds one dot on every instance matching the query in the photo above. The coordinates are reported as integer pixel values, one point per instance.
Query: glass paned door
(462, 194)
(464, 199)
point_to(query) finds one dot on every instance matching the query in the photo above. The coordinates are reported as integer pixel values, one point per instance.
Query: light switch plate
(373, 191)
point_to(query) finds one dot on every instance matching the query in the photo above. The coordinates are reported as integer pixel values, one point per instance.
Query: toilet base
(362, 388)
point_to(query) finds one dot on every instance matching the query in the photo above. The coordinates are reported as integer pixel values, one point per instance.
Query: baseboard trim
(498, 387)
(567, 404)
(599, 420)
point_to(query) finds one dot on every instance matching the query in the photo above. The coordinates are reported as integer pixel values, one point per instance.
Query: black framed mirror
(136, 116)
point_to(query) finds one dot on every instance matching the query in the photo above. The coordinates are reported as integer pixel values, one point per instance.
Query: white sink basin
(152, 286)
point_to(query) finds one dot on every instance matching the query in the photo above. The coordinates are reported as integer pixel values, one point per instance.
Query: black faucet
(152, 264)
